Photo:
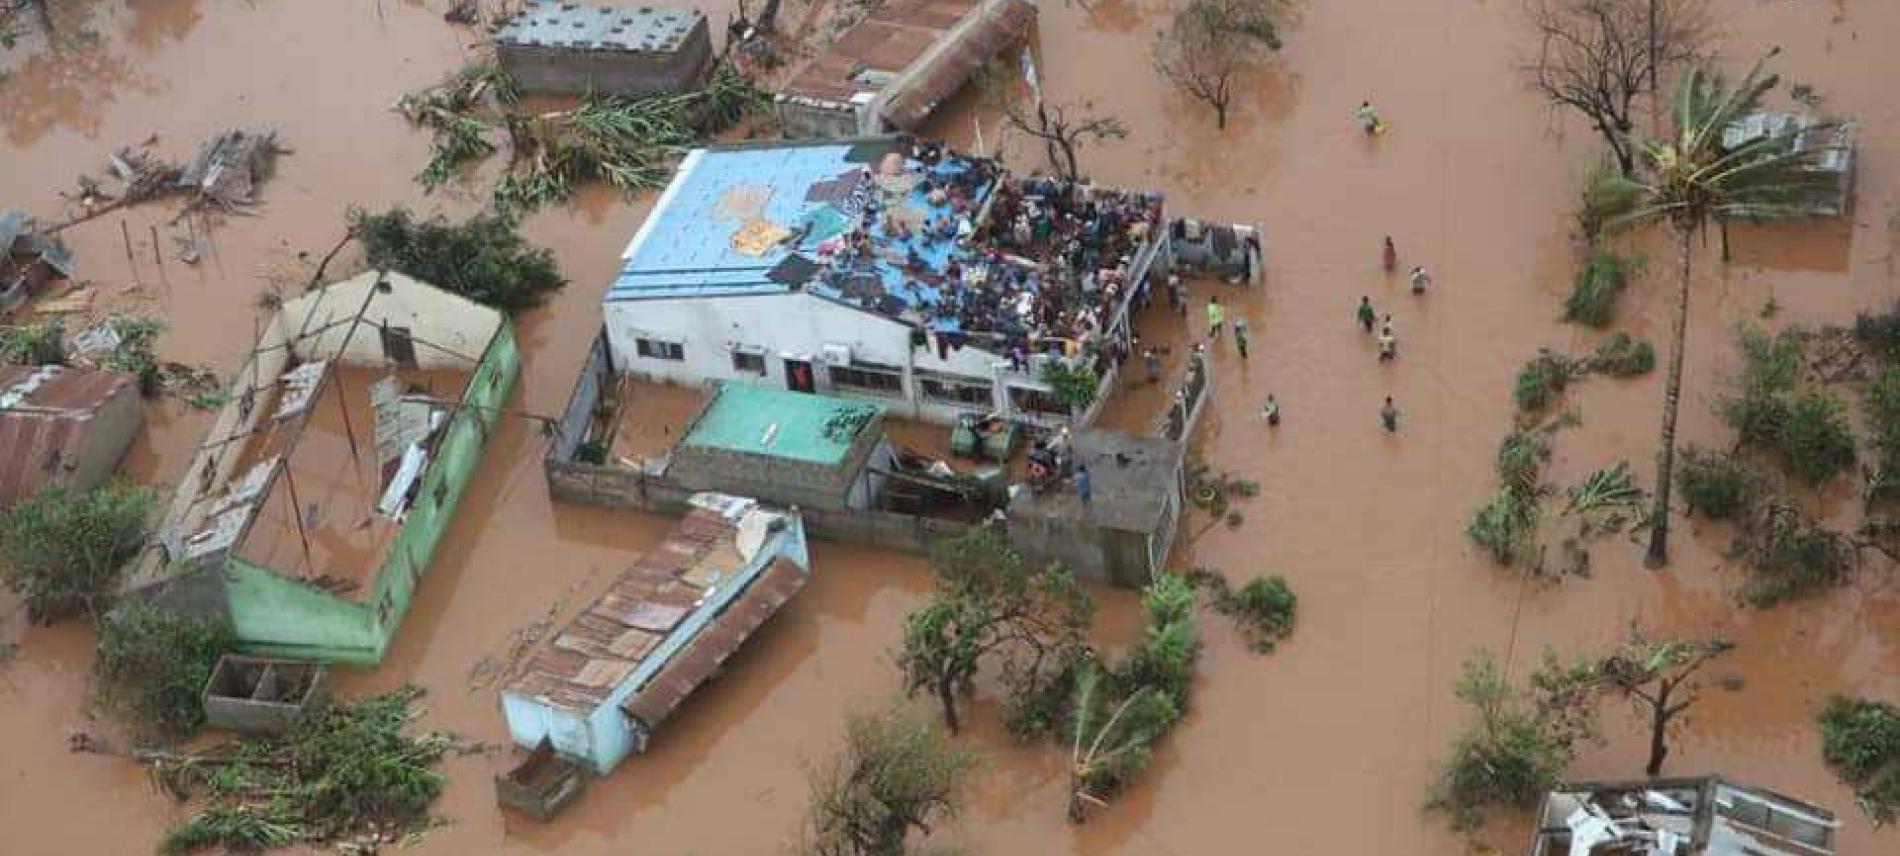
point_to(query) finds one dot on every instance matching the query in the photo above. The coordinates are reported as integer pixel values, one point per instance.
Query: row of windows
(869, 378)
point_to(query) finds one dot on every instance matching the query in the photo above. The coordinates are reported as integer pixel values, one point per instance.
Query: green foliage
(1717, 485)
(1522, 742)
(895, 773)
(1164, 657)
(1808, 433)
(449, 109)
(343, 771)
(1602, 200)
(1074, 385)
(1111, 741)
(42, 344)
(1881, 401)
(1816, 443)
(151, 667)
(990, 606)
(590, 452)
(1623, 356)
(1860, 740)
(64, 552)
(1263, 609)
(1507, 524)
(1541, 381)
(1597, 285)
(1791, 555)
(483, 258)
(1879, 334)
(136, 352)
(1607, 488)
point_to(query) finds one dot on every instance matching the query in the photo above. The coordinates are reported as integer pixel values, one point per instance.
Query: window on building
(750, 362)
(655, 349)
(870, 378)
(1037, 401)
(950, 389)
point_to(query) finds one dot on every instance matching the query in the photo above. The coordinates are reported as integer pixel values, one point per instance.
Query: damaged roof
(46, 420)
(667, 622)
(980, 36)
(1701, 816)
(866, 57)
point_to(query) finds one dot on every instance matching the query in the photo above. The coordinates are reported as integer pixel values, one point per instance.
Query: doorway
(798, 376)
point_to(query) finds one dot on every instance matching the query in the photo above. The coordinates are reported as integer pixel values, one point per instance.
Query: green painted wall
(278, 616)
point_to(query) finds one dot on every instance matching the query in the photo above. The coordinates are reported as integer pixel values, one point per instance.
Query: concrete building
(550, 46)
(786, 448)
(598, 689)
(862, 270)
(1702, 816)
(63, 426)
(888, 71)
(312, 508)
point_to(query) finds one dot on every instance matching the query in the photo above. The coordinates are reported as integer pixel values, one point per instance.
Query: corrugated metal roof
(611, 640)
(710, 650)
(46, 420)
(997, 25)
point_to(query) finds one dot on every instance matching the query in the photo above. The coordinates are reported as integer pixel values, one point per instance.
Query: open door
(798, 376)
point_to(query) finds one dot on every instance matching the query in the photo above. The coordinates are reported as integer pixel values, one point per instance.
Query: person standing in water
(1240, 335)
(1389, 256)
(1420, 279)
(1366, 314)
(1151, 359)
(1368, 119)
(1389, 416)
(1085, 484)
(1388, 343)
(1271, 411)
(1216, 315)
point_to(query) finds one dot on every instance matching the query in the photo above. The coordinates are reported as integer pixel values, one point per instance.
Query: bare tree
(1599, 57)
(1655, 673)
(1062, 128)
(1212, 43)
(897, 774)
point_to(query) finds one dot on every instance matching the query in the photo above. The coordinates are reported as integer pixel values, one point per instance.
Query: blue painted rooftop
(731, 216)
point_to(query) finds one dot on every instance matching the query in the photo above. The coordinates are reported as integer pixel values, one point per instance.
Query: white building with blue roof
(760, 264)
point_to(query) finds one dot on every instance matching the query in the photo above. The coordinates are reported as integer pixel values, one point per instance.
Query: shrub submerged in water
(482, 258)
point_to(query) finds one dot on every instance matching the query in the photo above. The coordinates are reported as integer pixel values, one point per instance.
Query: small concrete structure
(890, 69)
(542, 784)
(63, 426)
(570, 48)
(1128, 526)
(786, 448)
(262, 696)
(1701, 816)
(666, 625)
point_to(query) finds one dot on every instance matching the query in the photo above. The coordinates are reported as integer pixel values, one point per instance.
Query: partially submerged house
(888, 71)
(550, 46)
(666, 625)
(1702, 816)
(28, 260)
(61, 425)
(887, 270)
(1832, 146)
(311, 511)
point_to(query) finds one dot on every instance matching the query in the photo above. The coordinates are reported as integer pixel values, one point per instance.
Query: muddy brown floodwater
(1325, 747)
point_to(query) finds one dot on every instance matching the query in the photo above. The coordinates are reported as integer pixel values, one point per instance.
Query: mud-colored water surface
(1325, 747)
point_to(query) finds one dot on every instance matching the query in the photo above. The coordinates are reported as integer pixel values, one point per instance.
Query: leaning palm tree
(1109, 745)
(1697, 178)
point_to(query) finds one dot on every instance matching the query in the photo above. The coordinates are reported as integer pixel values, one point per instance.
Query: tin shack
(63, 426)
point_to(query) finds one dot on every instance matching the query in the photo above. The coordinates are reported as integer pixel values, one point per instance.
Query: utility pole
(1652, 47)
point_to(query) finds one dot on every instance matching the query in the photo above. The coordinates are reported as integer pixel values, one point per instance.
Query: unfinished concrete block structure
(613, 50)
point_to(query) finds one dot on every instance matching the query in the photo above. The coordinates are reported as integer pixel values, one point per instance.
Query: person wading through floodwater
(1389, 416)
(1388, 343)
(1216, 315)
(1240, 335)
(1368, 120)
(1271, 411)
(1366, 314)
(1085, 484)
(1420, 279)
(1389, 256)
(1151, 359)
(1177, 295)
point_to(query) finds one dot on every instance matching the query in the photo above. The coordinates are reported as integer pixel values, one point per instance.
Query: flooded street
(1326, 746)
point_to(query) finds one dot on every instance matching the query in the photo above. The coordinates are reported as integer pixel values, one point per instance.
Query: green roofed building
(783, 447)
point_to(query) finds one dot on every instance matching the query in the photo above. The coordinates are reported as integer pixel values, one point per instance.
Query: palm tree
(1107, 746)
(1696, 179)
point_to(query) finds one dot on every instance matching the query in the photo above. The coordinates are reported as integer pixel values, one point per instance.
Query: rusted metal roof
(994, 26)
(886, 42)
(46, 421)
(653, 703)
(610, 640)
